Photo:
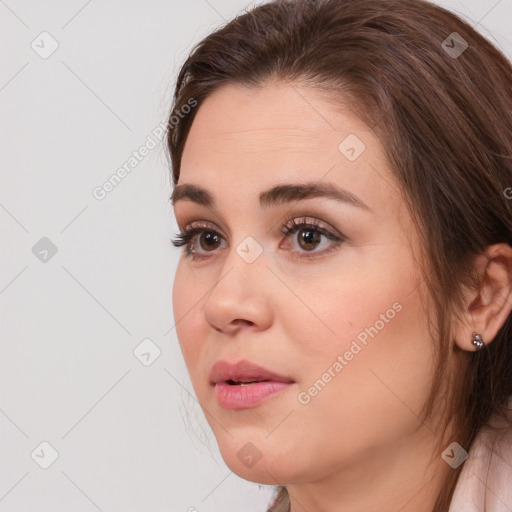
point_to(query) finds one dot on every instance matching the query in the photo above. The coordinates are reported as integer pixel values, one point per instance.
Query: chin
(259, 461)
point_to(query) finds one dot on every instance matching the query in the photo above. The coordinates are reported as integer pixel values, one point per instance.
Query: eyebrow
(280, 194)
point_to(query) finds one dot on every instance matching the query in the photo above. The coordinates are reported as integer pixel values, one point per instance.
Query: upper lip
(243, 371)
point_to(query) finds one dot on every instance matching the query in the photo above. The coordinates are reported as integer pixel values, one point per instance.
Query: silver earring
(478, 342)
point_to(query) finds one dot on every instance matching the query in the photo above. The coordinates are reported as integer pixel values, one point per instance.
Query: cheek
(369, 337)
(369, 380)
(187, 311)
(365, 304)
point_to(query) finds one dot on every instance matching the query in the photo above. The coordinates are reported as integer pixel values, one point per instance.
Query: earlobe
(490, 305)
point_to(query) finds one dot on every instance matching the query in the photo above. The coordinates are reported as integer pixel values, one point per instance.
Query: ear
(489, 306)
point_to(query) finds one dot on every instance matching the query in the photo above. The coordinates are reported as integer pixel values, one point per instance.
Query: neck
(405, 476)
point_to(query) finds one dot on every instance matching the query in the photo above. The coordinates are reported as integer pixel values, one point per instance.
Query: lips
(243, 372)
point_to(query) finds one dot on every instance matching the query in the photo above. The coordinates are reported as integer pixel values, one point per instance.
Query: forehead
(246, 139)
(276, 116)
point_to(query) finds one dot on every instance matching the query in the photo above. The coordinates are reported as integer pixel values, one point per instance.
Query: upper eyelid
(307, 218)
(199, 224)
(293, 222)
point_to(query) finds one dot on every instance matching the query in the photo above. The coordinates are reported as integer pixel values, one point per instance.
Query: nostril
(242, 321)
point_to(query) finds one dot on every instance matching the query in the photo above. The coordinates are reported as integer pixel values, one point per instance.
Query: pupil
(307, 237)
(208, 240)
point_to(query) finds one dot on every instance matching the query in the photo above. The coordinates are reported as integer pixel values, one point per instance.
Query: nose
(240, 299)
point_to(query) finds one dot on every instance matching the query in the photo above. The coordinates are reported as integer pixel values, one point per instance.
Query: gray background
(128, 433)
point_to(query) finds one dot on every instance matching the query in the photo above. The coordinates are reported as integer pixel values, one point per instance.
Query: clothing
(485, 481)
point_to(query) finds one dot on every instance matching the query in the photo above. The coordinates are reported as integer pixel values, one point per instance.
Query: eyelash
(185, 237)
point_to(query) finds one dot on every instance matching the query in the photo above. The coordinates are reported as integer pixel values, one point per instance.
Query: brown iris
(208, 240)
(309, 238)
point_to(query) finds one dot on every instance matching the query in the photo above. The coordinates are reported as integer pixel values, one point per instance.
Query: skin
(358, 445)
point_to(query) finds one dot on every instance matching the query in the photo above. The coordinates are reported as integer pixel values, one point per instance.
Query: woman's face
(334, 309)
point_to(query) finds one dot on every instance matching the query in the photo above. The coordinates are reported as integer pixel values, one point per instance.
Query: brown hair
(445, 121)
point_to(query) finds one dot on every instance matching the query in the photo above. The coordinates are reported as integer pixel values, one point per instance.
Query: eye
(199, 239)
(208, 240)
(310, 236)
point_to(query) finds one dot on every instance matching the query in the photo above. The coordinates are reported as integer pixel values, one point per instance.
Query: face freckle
(347, 327)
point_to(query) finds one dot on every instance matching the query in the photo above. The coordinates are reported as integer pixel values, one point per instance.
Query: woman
(343, 302)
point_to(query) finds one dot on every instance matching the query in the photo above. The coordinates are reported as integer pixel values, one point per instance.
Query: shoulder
(485, 481)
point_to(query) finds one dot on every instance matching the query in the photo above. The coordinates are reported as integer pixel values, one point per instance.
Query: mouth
(245, 385)
(243, 373)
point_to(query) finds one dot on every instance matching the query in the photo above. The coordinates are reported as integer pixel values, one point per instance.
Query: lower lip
(243, 397)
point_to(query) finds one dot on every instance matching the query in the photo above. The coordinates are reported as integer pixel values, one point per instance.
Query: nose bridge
(243, 269)
(240, 292)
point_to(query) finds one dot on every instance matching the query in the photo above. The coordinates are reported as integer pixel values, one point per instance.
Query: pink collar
(485, 481)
